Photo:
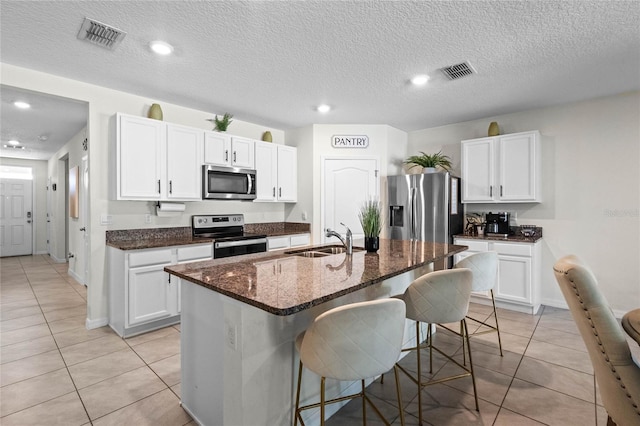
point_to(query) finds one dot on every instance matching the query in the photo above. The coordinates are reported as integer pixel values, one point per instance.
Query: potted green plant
(371, 222)
(222, 123)
(430, 161)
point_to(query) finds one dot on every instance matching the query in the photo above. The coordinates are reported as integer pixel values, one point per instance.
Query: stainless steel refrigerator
(425, 207)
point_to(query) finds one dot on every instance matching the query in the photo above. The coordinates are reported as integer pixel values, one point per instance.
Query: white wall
(39, 168)
(591, 187)
(103, 104)
(386, 144)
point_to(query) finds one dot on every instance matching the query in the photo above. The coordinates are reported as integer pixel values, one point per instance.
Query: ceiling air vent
(101, 34)
(457, 71)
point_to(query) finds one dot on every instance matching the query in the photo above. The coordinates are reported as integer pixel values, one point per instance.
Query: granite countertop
(515, 235)
(283, 284)
(138, 239)
(276, 229)
(510, 238)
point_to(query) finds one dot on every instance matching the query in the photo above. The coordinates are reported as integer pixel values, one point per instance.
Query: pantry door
(347, 183)
(16, 217)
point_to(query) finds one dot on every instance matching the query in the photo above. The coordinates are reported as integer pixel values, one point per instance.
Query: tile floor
(55, 372)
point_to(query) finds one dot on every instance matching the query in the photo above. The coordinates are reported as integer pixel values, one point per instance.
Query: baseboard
(96, 323)
(41, 252)
(55, 259)
(75, 276)
(555, 303)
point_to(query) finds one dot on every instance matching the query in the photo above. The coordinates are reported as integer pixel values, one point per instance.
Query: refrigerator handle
(412, 201)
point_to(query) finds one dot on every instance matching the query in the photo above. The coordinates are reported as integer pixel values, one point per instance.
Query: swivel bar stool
(439, 297)
(352, 342)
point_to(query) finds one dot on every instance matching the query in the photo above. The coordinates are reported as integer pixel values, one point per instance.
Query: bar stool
(439, 297)
(484, 267)
(352, 342)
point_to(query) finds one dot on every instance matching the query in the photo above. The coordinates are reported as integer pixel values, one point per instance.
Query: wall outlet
(304, 215)
(231, 336)
(147, 218)
(106, 219)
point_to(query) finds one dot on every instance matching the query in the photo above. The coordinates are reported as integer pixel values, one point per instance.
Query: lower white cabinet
(519, 282)
(287, 241)
(142, 296)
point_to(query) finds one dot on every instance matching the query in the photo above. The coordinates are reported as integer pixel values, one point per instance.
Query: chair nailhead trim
(597, 338)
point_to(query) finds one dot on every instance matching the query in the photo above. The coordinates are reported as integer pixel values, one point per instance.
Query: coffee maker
(498, 223)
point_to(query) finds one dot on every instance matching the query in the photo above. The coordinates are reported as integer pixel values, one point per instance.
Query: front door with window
(16, 217)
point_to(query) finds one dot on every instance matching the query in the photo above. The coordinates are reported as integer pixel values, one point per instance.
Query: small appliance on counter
(498, 224)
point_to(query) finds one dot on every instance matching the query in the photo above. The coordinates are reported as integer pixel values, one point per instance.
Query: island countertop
(283, 284)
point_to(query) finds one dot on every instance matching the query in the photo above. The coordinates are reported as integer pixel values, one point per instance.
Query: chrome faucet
(347, 243)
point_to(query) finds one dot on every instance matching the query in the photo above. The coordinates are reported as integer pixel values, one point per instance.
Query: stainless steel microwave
(228, 183)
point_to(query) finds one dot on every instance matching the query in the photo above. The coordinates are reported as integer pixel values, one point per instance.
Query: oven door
(228, 183)
(237, 248)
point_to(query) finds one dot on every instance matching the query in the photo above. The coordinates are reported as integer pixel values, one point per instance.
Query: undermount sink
(321, 251)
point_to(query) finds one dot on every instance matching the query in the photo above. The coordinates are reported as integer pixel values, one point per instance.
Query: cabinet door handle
(490, 191)
(274, 191)
(169, 278)
(280, 192)
(170, 187)
(501, 190)
(158, 186)
(234, 157)
(226, 155)
(83, 229)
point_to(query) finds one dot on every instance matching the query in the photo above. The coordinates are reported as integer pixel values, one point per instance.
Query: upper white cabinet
(276, 172)
(502, 169)
(184, 157)
(155, 160)
(222, 149)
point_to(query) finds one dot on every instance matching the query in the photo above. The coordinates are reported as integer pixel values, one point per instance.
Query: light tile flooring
(55, 372)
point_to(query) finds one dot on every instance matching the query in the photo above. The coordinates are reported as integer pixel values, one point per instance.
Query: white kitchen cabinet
(502, 169)
(184, 158)
(142, 297)
(221, 149)
(288, 241)
(155, 160)
(277, 175)
(519, 282)
(139, 158)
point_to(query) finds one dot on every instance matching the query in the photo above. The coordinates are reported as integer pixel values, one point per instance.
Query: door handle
(234, 157)
(158, 186)
(170, 187)
(226, 155)
(83, 229)
(28, 221)
(280, 192)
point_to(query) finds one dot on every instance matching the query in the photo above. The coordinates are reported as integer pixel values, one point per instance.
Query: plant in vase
(430, 161)
(222, 123)
(371, 222)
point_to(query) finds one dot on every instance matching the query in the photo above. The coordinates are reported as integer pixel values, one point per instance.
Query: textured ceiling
(272, 62)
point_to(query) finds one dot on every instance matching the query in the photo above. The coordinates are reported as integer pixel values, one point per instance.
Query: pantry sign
(349, 141)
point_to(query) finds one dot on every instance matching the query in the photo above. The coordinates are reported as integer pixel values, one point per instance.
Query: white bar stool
(352, 342)
(484, 267)
(439, 297)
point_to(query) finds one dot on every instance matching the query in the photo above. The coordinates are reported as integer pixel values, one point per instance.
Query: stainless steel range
(227, 232)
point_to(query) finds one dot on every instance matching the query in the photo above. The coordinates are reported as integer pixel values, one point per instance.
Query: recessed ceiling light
(324, 108)
(420, 80)
(14, 142)
(21, 105)
(161, 47)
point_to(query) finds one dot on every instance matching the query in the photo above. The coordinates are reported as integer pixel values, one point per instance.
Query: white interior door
(16, 217)
(347, 183)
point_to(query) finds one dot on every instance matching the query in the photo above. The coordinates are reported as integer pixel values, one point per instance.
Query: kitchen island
(240, 318)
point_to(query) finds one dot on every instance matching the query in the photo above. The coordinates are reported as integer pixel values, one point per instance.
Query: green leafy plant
(222, 123)
(370, 218)
(430, 160)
